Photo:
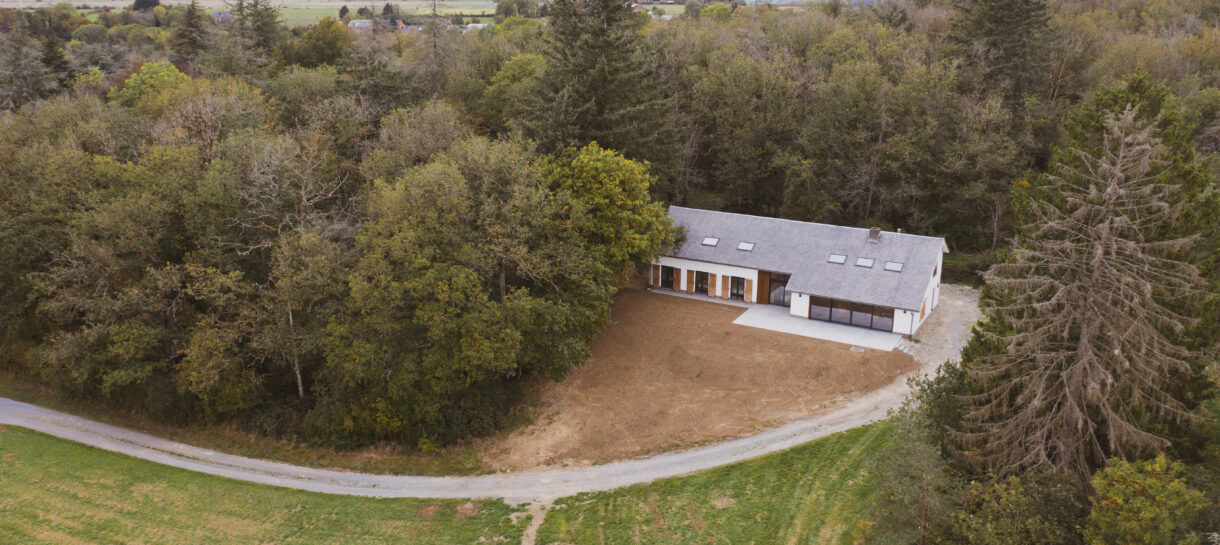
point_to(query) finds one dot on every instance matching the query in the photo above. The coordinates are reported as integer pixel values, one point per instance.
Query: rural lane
(542, 484)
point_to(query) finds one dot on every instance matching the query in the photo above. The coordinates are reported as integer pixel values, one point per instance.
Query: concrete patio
(776, 318)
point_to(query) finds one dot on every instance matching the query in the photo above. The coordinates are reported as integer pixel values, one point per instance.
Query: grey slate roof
(802, 250)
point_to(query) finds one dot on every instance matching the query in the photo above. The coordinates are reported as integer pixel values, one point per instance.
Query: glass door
(701, 283)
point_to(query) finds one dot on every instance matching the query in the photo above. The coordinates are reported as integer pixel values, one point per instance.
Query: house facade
(870, 278)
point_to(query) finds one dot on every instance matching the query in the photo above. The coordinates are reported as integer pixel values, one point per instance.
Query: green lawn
(54, 491)
(818, 493)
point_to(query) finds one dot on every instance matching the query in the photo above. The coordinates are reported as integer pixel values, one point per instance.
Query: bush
(1041, 507)
(1143, 503)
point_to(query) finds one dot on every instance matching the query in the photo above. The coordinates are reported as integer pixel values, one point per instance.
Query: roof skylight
(837, 258)
(893, 266)
(745, 246)
(710, 241)
(864, 262)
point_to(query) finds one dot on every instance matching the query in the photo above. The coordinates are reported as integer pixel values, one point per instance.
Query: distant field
(819, 493)
(55, 491)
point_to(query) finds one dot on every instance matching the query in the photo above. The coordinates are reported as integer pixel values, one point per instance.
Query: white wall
(712, 268)
(800, 305)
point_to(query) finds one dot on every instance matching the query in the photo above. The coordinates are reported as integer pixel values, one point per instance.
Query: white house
(862, 277)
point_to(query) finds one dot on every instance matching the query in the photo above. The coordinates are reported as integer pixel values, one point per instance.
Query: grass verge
(56, 491)
(455, 460)
(819, 493)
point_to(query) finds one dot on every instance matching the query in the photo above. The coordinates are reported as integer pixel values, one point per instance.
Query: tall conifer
(598, 86)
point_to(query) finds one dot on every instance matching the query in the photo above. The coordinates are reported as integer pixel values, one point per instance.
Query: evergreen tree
(189, 36)
(1098, 306)
(598, 87)
(53, 58)
(145, 5)
(387, 11)
(1013, 34)
(259, 21)
(343, 11)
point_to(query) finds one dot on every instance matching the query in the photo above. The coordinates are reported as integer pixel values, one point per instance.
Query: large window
(667, 278)
(737, 288)
(846, 312)
(701, 283)
(840, 311)
(819, 308)
(861, 315)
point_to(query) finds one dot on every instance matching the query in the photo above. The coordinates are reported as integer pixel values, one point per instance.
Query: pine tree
(343, 11)
(1097, 309)
(259, 21)
(387, 11)
(53, 58)
(598, 86)
(1013, 34)
(189, 37)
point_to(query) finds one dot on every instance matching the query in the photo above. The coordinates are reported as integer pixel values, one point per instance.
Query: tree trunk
(296, 360)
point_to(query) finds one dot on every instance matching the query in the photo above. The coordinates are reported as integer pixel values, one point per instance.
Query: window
(667, 278)
(840, 311)
(893, 266)
(737, 288)
(837, 258)
(701, 282)
(883, 318)
(819, 308)
(710, 241)
(861, 315)
(864, 262)
(746, 246)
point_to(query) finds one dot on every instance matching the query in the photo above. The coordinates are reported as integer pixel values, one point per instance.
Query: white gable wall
(907, 322)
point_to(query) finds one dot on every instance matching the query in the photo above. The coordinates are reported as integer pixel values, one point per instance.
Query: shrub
(1143, 503)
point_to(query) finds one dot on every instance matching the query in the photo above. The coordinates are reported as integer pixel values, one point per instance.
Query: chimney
(874, 234)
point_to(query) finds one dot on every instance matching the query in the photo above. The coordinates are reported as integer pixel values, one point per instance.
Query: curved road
(516, 487)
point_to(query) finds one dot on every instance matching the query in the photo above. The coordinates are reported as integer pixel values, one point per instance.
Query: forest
(358, 237)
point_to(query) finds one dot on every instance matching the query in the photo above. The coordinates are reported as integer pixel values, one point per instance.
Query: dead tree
(1092, 304)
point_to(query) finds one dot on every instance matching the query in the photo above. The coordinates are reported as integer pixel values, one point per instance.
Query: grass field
(54, 491)
(819, 493)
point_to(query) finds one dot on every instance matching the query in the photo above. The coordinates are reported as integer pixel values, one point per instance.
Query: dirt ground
(671, 372)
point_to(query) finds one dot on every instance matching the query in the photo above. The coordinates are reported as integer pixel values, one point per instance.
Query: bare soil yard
(670, 372)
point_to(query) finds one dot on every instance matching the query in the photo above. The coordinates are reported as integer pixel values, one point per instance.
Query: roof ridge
(801, 222)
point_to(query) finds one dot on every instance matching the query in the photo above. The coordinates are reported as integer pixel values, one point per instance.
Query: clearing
(671, 372)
